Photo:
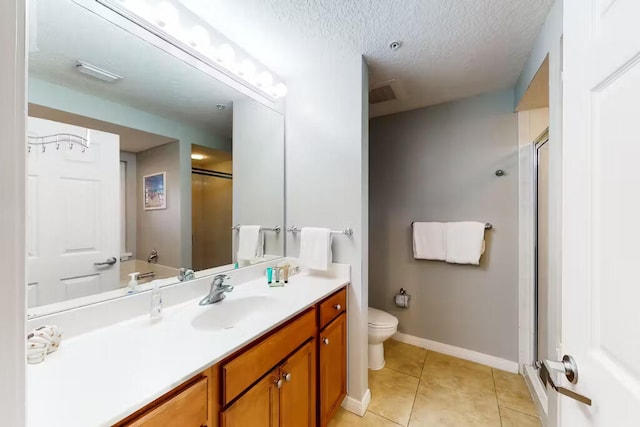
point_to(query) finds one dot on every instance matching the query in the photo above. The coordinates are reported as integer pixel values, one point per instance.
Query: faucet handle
(218, 279)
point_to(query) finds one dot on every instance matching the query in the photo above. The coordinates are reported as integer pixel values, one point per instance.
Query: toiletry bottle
(133, 283)
(156, 302)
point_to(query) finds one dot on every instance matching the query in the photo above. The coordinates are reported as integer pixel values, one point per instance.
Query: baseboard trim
(358, 407)
(462, 353)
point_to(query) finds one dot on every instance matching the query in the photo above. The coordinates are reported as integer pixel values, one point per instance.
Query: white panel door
(73, 214)
(601, 211)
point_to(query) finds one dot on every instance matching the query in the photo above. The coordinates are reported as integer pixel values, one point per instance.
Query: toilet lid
(381, 318)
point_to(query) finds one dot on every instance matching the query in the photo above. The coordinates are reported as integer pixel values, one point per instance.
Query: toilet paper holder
(402, 298)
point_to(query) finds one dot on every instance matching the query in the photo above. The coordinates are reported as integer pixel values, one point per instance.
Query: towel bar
(346, 231)
(277, 228)
(487, 225)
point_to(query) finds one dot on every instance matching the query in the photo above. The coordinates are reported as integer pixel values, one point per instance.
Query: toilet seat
(379, 319)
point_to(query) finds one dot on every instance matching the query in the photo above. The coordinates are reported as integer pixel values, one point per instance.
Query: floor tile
(392, 394)
(438, 405)
(344, 418)
(457, 374)
(404, 358)
(511, 418)
(513, 392)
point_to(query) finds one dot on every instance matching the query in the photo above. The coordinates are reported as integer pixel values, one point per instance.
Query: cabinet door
(258, 407)
(333, 367)
(298, 392)
(186, 409)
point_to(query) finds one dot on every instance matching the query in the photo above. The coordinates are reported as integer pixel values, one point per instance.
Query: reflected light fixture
(97, 72)
(196, 156)
(176, 24)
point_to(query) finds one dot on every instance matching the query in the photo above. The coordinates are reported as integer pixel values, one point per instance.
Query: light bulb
(265, 79)
(247, 70)
(166, 15)
(226, 54)
(280, 90)
(198, 37)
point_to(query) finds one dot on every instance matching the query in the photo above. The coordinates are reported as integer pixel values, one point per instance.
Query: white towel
(315, 248)
(250, 242)
(429, 240)
(465, 242)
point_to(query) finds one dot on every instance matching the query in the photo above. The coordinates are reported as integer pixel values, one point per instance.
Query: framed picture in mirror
(155, 190)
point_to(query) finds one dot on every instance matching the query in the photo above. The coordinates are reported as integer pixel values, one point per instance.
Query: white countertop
(100, 377)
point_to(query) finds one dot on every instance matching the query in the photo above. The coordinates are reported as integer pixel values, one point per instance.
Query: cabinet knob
(325, 340)
(337, 306)
(278, 382)
(287, 376)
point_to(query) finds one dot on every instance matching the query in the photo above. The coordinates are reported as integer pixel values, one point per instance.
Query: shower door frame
(538, 143)
(529, 287)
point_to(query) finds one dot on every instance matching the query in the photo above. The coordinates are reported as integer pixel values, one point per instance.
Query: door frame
(12, 213)
(547, 407)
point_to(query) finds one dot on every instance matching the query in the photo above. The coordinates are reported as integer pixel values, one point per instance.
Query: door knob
(109, 261)
(566, 366)
(569, 368)
(287, 377)
(325, 341)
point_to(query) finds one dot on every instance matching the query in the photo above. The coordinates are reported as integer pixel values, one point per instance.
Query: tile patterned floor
(420, 388)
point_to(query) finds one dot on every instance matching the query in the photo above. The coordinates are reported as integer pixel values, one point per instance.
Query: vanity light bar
(164, 20)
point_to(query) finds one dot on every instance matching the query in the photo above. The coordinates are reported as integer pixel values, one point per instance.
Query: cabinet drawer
(246, 368)
(186, 409)
(331, 307)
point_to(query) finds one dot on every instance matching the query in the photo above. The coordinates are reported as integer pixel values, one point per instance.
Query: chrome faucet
(186, 274)
(153, 257)
(218, 288)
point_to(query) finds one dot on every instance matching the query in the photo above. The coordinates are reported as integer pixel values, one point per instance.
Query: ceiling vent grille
(381, 94)
(384, 92)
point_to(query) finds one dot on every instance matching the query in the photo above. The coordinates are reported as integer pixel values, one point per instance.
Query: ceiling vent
(385, 91)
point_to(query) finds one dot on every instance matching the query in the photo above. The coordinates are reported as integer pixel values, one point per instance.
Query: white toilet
(382, 326)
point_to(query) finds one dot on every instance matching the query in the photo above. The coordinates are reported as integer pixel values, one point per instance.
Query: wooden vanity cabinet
(295, 376)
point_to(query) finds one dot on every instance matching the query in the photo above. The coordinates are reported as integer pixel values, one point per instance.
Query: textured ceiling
(451, 48)
(154, 81)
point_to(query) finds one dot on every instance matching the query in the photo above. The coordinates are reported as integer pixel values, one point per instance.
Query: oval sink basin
(229, 312)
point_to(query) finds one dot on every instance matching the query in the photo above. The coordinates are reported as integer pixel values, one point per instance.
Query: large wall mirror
(138, 162)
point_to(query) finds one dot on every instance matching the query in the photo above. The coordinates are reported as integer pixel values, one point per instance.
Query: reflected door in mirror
(72, 213)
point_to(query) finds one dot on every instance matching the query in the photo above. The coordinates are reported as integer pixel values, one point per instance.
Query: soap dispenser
(133, 283)
(156, 302)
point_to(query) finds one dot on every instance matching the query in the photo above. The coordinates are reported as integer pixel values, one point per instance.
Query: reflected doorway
(212, 201)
